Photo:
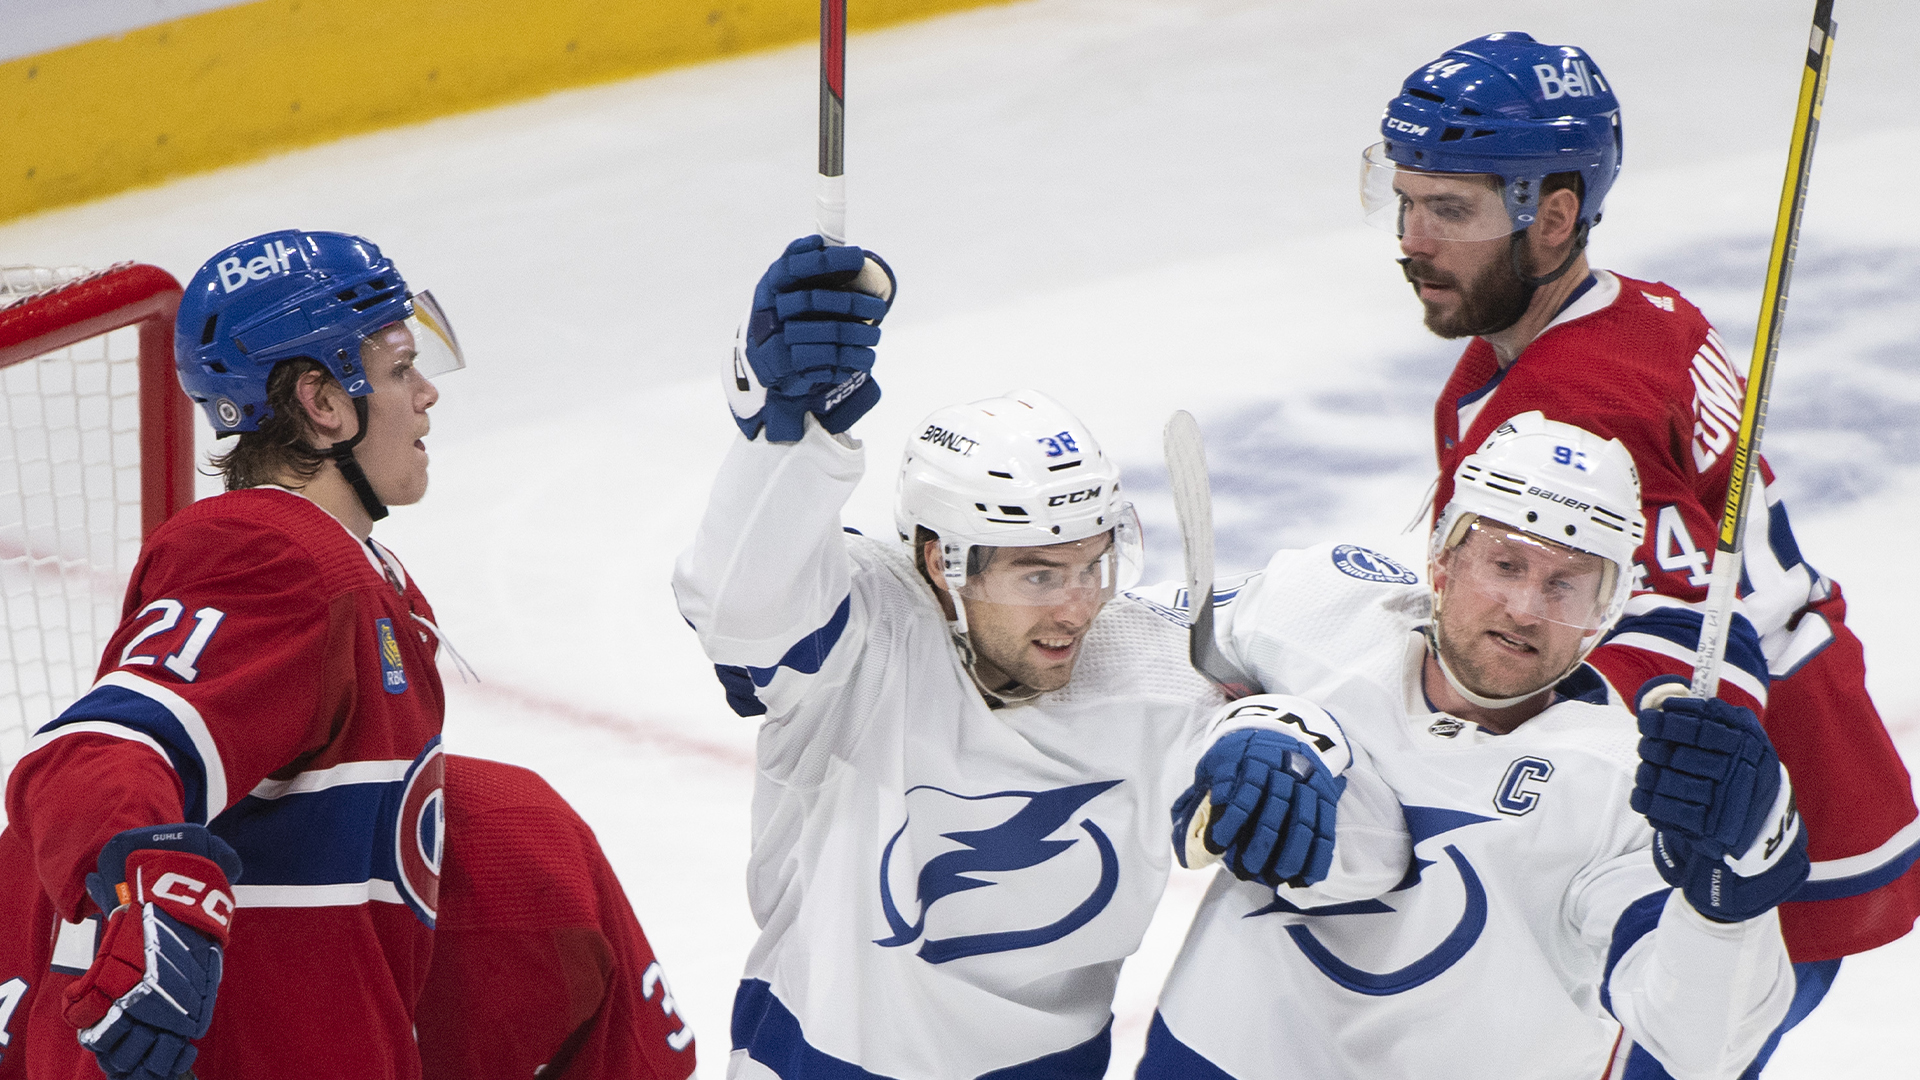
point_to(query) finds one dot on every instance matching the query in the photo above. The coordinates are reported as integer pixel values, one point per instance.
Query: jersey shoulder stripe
(130, 707)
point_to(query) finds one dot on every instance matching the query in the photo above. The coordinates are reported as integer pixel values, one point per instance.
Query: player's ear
(933, 562)
(1553, 228)
(326, 409)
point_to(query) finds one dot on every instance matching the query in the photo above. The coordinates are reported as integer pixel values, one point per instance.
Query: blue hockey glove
(1726, 832)
(151, 988)
(807, 346)
(1271, 802)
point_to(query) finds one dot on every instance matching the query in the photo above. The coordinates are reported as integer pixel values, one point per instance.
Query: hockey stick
(1717, 617)
(1193, 505)
(830, 192)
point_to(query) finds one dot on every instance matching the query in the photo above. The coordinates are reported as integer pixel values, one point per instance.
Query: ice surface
(1135, 205)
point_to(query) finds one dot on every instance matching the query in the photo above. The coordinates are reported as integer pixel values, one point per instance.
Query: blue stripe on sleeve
(1840, 888)
(1681, 626)
(811, 651)
(1786, 550)
(1636, 922)
(122, 707)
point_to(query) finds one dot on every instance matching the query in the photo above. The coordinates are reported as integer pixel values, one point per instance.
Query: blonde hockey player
(1528, 921)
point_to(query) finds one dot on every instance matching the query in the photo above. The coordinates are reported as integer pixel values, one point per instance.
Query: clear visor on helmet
(1089, 570)
(422, 344)
(1534, 579)
(1433, 205)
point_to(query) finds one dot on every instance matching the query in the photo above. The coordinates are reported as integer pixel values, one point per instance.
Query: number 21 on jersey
(183, 661)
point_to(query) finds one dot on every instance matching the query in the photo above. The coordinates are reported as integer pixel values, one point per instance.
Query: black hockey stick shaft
(1743, 481)
(830, 199)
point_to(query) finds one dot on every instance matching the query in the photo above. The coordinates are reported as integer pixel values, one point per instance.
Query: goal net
(97, 451)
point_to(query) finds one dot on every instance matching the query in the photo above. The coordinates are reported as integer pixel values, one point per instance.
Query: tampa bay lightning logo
(1018, 843)
(1369, 565)
(1423, 822)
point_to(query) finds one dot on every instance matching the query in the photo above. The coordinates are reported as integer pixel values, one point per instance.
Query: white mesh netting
(69, 512)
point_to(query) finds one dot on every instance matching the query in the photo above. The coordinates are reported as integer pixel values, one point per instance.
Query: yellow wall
(237, 83)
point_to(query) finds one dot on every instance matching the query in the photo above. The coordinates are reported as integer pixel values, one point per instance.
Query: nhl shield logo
(420, 832)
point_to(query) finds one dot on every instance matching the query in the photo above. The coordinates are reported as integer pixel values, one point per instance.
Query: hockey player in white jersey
(1542, 923)
(968, 745)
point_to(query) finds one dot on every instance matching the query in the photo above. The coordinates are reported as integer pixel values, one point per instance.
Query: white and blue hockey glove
(151, 988)
(1726, 832)
(1270, 793)
(807, 346)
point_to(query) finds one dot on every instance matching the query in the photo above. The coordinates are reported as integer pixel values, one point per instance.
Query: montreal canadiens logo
(1368, 565)
(420, 832)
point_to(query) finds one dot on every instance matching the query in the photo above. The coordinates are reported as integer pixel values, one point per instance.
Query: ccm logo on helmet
(1554, 496)
(1398, 124)
(1076, 497)
(951, 440)
(1577, 80)
(186, 891)
(275, 258)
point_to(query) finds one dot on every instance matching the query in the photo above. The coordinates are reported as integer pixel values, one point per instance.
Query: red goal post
(96, 452)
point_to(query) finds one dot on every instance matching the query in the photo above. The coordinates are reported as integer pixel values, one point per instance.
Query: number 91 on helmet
(1017, 472)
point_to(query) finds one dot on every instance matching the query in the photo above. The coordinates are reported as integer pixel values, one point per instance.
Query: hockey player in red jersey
(1495, 164)
(539, 965)
(235, 839)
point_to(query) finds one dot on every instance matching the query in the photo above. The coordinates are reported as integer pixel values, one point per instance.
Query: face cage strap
(341, 453)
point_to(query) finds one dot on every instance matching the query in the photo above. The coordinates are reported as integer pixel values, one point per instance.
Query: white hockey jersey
(944, 890)
(1531, 924)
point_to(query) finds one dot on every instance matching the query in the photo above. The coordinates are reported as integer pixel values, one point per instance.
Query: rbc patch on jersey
(393, 677)
(1368, 565)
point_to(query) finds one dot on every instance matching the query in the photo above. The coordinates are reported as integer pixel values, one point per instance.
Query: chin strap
(1515, 257)
(341, 454)
(1013, 693)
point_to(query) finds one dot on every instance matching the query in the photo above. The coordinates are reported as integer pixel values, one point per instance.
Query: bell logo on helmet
(1575, 80)
(275, 258)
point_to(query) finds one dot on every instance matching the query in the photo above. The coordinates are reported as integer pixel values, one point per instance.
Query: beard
(1495, 299)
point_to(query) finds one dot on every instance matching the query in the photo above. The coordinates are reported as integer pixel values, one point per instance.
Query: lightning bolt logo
(1018, 843)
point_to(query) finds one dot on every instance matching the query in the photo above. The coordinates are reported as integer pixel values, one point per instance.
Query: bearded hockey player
(968, 744)
(1538, 914)
(230, 848)
(1495, 165)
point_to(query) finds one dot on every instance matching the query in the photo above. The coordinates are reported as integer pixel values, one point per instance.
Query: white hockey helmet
(1013, 471)
(1557, 490)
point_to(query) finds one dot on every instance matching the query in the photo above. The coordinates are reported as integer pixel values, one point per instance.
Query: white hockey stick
(1193, 505)
(830, 193)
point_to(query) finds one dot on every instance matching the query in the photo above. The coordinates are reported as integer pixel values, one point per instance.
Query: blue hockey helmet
(292, 294)
(1503, 105)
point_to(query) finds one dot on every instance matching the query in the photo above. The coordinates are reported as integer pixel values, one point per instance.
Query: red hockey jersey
(1633, 360)
(538, 962)
(272, 677)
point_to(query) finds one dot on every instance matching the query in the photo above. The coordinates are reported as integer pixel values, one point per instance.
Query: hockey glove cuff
(151, 987)
(1268, 788)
